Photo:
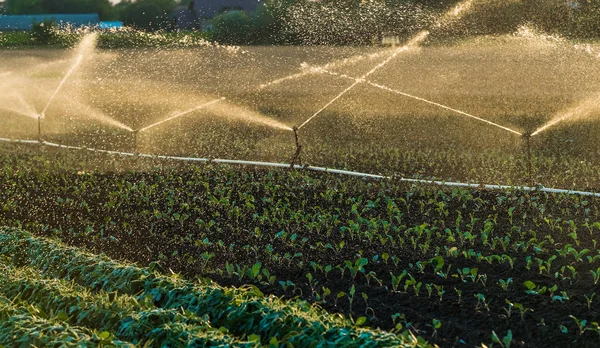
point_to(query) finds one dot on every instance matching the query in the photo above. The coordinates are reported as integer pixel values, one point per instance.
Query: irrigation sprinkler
(39, 122)
(527, 139)
(296, 156)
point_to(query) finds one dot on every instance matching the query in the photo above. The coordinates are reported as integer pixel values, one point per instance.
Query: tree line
(342, 22)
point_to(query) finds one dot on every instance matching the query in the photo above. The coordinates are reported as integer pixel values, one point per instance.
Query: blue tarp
(24, 22)
(110, 25)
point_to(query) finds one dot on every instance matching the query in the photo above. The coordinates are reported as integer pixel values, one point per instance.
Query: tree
(102, 7)
(24, 6)
(149, 14)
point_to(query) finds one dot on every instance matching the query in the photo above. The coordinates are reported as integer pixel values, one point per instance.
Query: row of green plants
(388, 254)
(121, 301)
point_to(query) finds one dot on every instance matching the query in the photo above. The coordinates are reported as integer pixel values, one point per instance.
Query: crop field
(197, 254)
(514, 81)
(448, 265)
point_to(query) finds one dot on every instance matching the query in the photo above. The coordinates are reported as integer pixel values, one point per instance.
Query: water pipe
(319, 169)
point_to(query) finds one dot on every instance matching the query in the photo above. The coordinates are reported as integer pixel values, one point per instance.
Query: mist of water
(586, 109)
(21, 107)
(231, 111)
(370, 72)
(85, 47)
(388, 89)
(95, 114)
(181, 114)
(455, 13)
(331, 65)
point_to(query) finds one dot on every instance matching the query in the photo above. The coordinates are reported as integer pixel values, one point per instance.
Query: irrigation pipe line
(311, 168)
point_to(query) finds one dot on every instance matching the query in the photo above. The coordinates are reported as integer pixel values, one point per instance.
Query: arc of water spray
(455, 13)
(75, 65)
(335, 63)
(583, 108)
(385, 88)
(181, 114)
(377, 67)
(550, 124)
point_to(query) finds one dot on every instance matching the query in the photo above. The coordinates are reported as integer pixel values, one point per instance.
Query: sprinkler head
(526, 135)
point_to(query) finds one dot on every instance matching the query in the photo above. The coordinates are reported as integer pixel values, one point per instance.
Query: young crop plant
(505, 283)
(589, 299)
(596, 275)
(533, 289)
(396, 280)
(482, 302)
(505, 342)
(581, 324)
(468, 273)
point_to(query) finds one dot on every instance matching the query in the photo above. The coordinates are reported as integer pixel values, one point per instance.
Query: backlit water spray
(86, 45)
(231, 111)
(22, 108)
(335, 64)
(453, 14)
(417, 39)
(181, 114)
(583, 109)
(385, 88)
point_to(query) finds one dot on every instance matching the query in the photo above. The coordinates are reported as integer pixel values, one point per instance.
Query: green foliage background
(344, 22)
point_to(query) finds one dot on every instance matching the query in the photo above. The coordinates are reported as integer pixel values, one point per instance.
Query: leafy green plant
(505, 283)
(505, 342)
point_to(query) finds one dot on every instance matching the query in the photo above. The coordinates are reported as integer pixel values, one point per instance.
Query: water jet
(135, 141)
(385, 88)
(181, 114)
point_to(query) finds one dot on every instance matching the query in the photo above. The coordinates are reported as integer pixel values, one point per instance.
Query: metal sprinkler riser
(296, 156)
(527, 138)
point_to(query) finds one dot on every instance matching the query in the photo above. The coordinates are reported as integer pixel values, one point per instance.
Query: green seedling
(505, 341)
(505, 283)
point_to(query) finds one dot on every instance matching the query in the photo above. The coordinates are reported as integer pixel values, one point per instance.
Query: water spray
(182, 114)
(388, 89)
(135, 141)
(296, 156)
(527, 139)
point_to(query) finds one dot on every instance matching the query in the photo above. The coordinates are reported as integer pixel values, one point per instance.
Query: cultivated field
(450, 265)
